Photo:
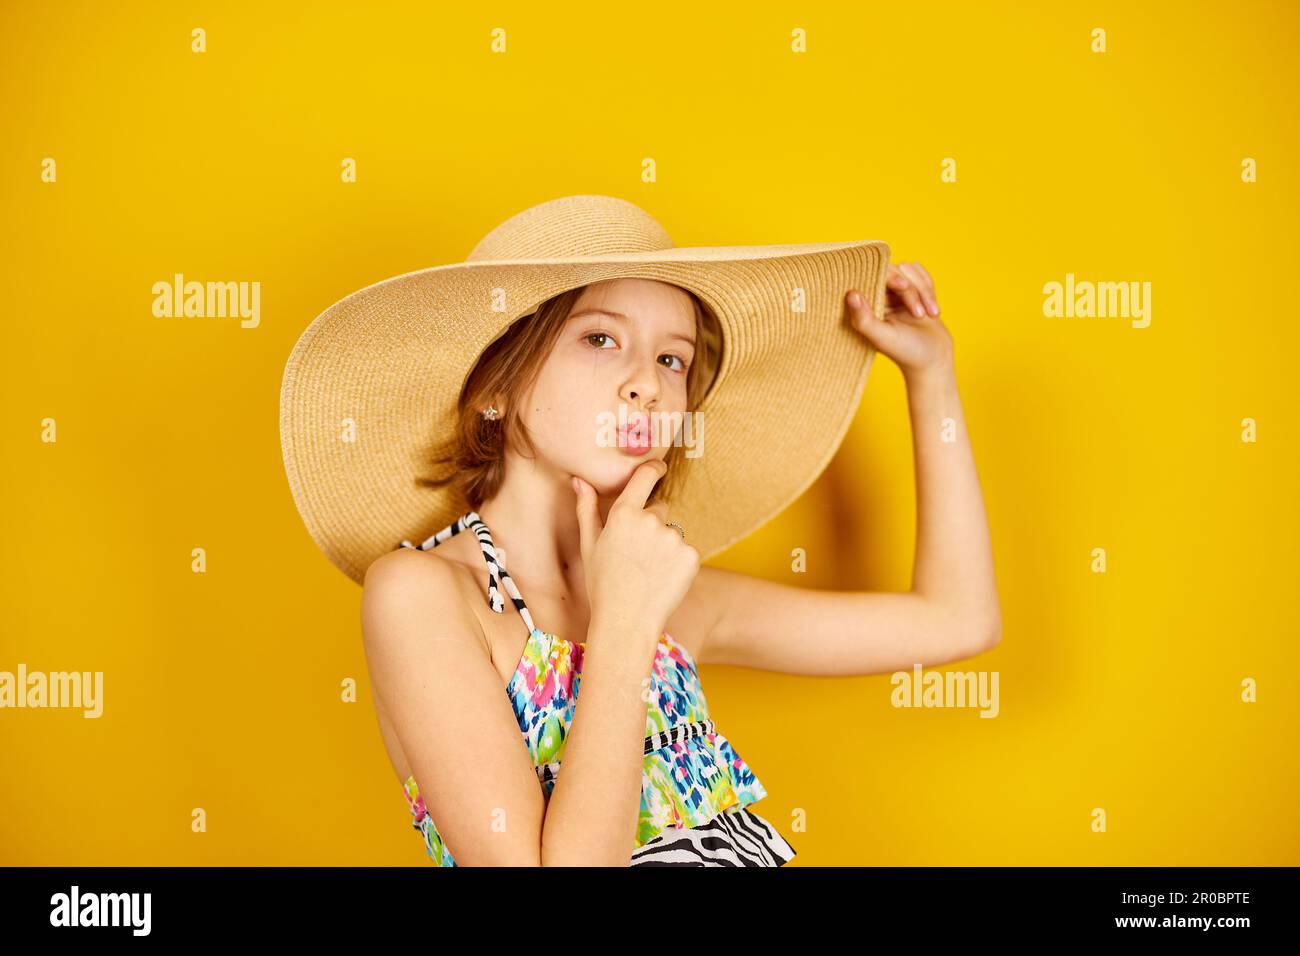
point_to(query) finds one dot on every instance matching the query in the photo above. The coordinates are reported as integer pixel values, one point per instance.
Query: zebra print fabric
(736, 837)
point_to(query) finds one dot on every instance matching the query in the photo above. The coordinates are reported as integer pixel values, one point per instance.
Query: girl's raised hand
(910, 331)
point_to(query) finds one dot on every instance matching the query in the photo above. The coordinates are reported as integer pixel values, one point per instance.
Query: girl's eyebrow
(619, 315)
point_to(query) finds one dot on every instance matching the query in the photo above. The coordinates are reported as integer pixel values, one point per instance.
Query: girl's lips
(635, 438)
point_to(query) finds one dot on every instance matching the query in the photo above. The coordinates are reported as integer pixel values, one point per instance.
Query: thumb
(589, 524)
(881, 333)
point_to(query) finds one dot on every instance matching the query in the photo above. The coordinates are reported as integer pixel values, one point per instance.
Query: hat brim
(373, 382)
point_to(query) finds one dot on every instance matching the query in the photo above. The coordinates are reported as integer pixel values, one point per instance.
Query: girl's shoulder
(410, 580)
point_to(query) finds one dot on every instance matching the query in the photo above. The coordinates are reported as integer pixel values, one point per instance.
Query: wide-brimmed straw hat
(372, 386)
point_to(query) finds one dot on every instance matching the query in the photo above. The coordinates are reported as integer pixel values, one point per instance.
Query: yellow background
(222, 690)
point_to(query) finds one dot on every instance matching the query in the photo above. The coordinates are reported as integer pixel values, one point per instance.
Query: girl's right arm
(595, 807)
(450, 712)
(637, 571)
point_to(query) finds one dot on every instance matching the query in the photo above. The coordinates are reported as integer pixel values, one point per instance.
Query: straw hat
(372, 386)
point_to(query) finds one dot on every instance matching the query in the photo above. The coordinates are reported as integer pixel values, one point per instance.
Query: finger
(903, 287)
(922, 281)
(639, 486)
(660, 510)
(865, 321)
(860, 312)
(589, 523)
(882, 333)
(897, 282)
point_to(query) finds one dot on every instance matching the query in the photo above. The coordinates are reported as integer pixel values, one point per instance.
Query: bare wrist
(940, 375)
(611, 629)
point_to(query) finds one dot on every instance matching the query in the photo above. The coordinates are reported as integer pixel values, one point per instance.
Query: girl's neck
(534, 523)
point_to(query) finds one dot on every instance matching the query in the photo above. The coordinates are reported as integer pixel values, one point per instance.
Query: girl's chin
(609, 480)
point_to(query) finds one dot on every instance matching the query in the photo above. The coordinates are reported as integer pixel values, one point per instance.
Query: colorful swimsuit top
(691, 772)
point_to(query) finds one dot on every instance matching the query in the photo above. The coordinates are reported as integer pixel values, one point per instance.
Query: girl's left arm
(952, 610)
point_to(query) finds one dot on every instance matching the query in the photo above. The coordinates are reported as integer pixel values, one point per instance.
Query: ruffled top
(690, 773)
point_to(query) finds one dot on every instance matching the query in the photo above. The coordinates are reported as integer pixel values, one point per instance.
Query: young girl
(574, 578)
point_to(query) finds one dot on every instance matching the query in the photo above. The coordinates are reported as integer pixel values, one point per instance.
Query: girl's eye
(599, 340)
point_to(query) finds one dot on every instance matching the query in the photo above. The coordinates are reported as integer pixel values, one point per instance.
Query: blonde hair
(474, 456)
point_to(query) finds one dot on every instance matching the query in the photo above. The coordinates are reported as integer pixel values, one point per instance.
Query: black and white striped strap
(497, 574)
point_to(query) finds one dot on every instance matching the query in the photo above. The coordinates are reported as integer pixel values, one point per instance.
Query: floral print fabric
(684, 783)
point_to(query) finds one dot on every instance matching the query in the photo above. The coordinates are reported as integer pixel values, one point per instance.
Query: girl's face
(627, 342)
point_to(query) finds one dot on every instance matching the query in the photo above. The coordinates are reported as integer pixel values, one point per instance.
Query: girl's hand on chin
(638, 569)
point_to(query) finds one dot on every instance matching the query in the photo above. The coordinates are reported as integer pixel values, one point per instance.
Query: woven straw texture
(393, 357)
